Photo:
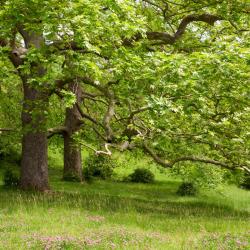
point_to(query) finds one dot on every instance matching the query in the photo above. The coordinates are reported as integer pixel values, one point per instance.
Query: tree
(117, 49)
(45, 41)
(72, 152)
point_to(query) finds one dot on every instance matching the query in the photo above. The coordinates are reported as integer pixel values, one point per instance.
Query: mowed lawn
(116, 215)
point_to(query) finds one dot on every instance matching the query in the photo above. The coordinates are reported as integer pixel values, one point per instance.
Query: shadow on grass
(13, 199)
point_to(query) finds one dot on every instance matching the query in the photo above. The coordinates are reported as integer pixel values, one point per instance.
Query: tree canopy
(169, 77)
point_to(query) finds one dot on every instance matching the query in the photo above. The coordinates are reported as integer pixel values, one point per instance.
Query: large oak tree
(136, 55)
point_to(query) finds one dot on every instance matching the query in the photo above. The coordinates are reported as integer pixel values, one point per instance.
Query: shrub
(99, 166)
(246, 182)
(141, 175)
(10, 179)
(235, 177)
(200, 175)
(9, 154)
(187, 189)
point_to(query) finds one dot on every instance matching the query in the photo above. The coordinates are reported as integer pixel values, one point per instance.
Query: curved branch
(157, 159)
(170, 164)
(166, 38)
(206, 18)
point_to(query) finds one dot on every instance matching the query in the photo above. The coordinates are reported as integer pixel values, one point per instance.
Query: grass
(115, 215)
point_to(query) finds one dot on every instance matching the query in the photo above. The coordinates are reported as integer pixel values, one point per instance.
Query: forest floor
(116, 215)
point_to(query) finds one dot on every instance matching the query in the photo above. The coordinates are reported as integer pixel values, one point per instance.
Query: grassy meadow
(117, 215)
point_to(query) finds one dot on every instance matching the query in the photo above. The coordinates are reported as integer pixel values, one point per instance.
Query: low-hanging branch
(170, 164)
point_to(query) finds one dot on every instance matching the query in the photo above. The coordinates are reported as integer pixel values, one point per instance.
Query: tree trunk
(72, 152)
(34, 165)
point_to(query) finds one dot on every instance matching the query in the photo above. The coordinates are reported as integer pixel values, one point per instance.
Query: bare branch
(99, 152)
(107, 152)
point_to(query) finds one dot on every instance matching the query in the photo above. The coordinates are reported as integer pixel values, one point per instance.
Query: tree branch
(84, 115)
(99, 152)
(108, 117)
(206, 18)
(166, 38)
(56, 131)
(170, 164)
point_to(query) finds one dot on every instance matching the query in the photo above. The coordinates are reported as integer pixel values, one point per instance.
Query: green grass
(115, 215)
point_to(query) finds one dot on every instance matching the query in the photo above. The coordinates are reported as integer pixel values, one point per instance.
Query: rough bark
(72, 152)
(34, 164)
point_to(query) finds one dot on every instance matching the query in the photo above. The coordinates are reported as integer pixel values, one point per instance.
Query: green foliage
(141, 175)
(11, 155)
(235, 177)
(245, 183)
(201, 175)
(183, 83)
(10, 178)
(187, 189)
(99, 166)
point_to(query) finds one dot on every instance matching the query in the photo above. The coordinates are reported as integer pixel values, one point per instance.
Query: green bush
(141, 175)
(246, 182)
(201, 175)
(10, 179)
(11, 156)
(99, 166)
(187, 189)
(235, 177)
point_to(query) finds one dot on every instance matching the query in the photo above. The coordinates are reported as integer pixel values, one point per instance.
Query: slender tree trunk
(72, 160)
(34, 164)
(72, 152)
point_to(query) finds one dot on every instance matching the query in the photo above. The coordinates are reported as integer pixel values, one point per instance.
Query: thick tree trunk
(34, 165)
(72, 152)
